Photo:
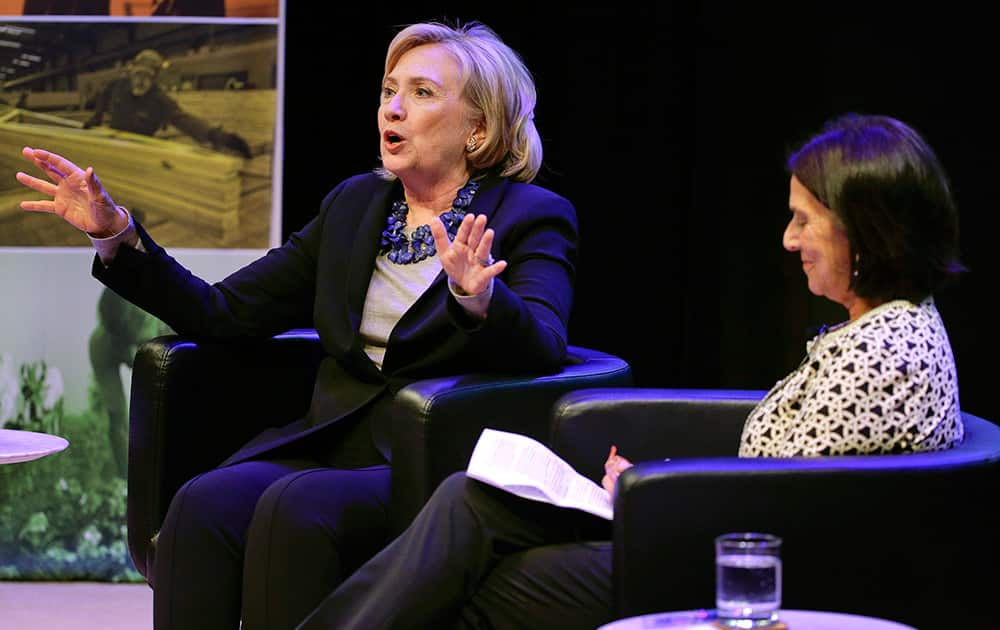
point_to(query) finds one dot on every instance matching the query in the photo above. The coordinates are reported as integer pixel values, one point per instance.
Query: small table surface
(792, 619)
(23, 446)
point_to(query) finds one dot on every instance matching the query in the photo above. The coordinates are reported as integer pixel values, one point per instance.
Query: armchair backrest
(193, 403)
(893, 536)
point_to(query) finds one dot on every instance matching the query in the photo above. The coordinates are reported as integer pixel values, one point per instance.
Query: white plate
(22, 446)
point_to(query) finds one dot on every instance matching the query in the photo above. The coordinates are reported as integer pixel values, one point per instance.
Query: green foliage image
(62, 517)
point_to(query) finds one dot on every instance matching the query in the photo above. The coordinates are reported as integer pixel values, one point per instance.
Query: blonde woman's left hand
(467, 259)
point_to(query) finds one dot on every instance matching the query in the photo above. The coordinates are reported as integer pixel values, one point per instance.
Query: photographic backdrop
(66, 343)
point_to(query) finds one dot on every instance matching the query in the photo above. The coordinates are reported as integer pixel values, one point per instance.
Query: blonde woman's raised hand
(467, 259)
(76, 194)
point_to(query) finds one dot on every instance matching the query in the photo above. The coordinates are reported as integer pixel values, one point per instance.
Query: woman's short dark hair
(883, 182)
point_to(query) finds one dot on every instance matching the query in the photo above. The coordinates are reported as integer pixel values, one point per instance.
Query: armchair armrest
(436, 422)
(647, 424)
(204, 400)
(894, 536)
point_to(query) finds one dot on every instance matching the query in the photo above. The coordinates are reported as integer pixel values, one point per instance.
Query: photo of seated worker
(136, 103)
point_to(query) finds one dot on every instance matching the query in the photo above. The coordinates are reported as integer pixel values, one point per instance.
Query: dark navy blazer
(320, 276)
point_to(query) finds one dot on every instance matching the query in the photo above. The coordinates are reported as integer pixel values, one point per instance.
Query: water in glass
(748, 588)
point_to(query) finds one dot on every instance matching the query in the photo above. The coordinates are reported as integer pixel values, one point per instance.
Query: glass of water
(747, 579)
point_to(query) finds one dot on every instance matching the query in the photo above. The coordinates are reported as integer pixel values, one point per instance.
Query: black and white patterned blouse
(884, 383)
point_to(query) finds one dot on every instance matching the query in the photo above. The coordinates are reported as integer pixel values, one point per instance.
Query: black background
(667, 126)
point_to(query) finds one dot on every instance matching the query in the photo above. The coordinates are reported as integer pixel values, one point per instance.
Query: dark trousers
(478, 557)
(265, 541)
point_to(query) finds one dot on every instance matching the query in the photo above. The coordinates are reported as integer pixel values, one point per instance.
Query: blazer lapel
(364, 248)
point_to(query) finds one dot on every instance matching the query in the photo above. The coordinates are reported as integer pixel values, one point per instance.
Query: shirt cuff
(107, 248)
(474, 305)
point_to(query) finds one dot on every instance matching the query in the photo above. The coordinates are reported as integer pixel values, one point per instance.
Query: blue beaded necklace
(395, 243)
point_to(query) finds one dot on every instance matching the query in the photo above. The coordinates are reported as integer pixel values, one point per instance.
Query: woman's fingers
(94, 185)
(609, 464)
(464, 228)
(54, 160)
(55, 166)
(39, 206)
(476, 232)
(39, 185)
(484, 247)
(613, 467)
(467, 259)
(441, 242)
(615, 464)
(50, 172)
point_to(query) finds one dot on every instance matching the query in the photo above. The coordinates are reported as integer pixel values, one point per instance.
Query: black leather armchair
(904, 537)
(194, 403)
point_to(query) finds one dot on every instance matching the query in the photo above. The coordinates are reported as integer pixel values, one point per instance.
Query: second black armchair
(901, 537)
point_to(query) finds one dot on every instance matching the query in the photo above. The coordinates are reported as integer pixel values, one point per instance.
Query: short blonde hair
(498, 87)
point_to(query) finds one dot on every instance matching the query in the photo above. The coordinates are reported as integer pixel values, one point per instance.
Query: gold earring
(471, 144)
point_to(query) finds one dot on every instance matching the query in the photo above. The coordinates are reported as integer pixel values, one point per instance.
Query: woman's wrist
(118, 225)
